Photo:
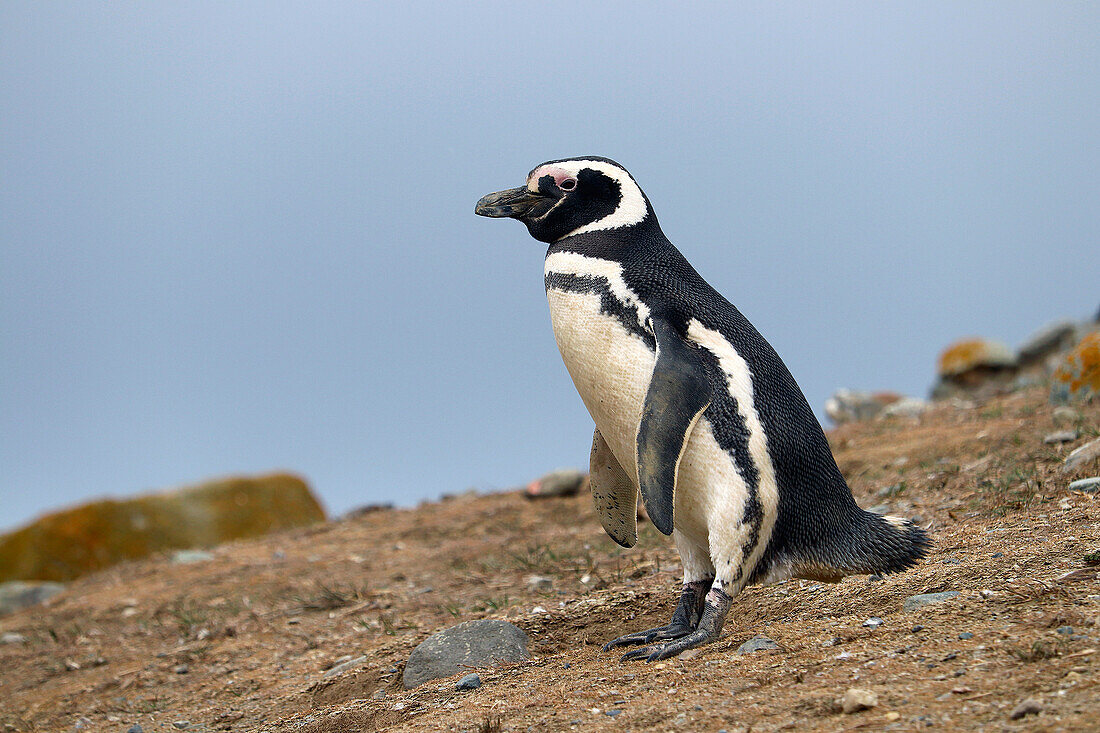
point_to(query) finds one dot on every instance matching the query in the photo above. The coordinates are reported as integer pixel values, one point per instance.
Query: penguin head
(563, 198)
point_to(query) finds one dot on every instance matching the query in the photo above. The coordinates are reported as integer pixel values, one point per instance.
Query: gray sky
(237, 237)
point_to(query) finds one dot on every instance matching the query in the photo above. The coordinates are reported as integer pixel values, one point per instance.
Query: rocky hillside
(310, 629)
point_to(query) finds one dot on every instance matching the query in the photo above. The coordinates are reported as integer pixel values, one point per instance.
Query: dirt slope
(240, 642)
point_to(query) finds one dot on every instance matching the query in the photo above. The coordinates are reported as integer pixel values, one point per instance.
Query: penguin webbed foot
(708, 629)
(684, 621)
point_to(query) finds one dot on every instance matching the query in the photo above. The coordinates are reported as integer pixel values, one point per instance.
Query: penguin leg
(715, 607)
(684, 619)
(698, 577)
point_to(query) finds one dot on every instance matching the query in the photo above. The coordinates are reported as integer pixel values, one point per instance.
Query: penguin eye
(568, 184)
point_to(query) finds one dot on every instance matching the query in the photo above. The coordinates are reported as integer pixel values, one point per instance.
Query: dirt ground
(240, 642)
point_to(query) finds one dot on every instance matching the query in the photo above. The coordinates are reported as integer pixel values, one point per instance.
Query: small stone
(966, 635)
(892, 716)
(995, 555)
(539, 583)
(856, 699)
(1065, 630)
(1062, 436)
(614, 712)
(181, 669)
(1086, 485)
(82, 723)
(879, 509)
(690, 654)
(190, 557)
(1065, 416)
(756, 644)
(135, 728)
(181, 724)
(1030, 706)
(917, 629)
(925, 599)
(469, 682)
(379, 694)
(872, 623)
(11, 637)
(680, 720)
(338, 669)
(1082, 456)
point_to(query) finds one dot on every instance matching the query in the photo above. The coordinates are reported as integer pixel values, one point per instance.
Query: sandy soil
(240, 642)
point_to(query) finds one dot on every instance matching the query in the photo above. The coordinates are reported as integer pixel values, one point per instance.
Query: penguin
(693, 410)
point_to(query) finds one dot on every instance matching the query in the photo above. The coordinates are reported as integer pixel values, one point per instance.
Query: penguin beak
(514, 203)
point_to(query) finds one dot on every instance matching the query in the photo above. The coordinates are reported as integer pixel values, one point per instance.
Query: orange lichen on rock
(69, 543)
(1077, 378)
(973, 353)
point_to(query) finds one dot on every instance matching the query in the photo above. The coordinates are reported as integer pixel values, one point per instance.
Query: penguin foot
(684, 619)
(709, 629)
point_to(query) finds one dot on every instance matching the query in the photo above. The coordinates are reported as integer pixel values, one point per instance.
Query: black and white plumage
(693, 408)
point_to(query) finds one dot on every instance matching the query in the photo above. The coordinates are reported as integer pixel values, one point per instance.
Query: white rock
(856, 699)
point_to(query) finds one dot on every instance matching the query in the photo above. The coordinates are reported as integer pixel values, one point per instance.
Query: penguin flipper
(677, 395)
(613, 493)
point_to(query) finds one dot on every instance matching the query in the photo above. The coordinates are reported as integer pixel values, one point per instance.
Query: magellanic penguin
(692, 407)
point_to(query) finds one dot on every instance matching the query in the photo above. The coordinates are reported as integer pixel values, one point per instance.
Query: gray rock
(135, 728)
(339, 669)
(966, 636)
(1087, 485)
(469, 682)
(82, 723)
(1065, 630)
(11, 637)
(850, 406)
(188, 557)
(926, 599)
(486, 642)
(1081, 456)
(15, 595)
(879, 509)
(1030, 706)
(910, 407)
(181, 724)
(1062, 436)
(1063, 416)
(563, 482)
(756, 644)
(872, 623)
(1050, 339)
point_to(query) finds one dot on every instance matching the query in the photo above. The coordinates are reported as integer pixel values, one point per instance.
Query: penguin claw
(657, 652)
(661, 633)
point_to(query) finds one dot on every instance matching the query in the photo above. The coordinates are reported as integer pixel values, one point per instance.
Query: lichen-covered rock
(1077, 378)
(973, 365)
(66, 544)
(563, 482)
(482, 643)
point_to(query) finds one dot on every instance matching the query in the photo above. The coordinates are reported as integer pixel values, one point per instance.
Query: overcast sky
(238, 237)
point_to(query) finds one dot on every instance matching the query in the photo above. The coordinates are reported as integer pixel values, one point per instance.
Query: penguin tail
(885, 544)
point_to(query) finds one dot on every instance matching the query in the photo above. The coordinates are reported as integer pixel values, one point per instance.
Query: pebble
(1079, 457)
(16, 595)
(690, 654)
(1030, 706)
(469, 682)
(1062, 436)
(966, 635)
(82, 723)
(612, 713)
(872, 623)
(11, 637)
(1065, 416)
(189, 557)
(926, 599)
(342, 667)
(917, 629)
(756, 644)
(1087, 485)
(135, 728)
(539, 583)
(856, 699)
(181, 724)
(1065, 630)
(181, 669)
